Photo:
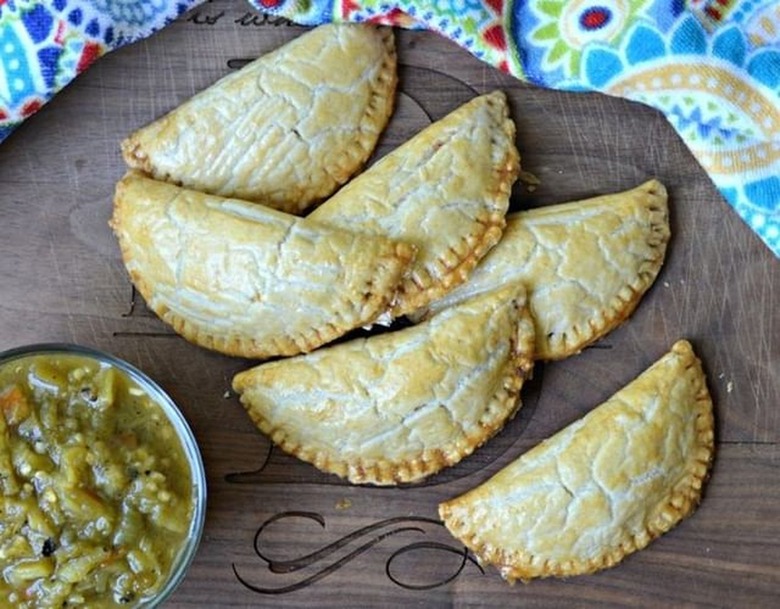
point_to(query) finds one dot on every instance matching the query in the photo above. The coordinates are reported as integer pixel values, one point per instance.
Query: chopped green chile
(96, 495)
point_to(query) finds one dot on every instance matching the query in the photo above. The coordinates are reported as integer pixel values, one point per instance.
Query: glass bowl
(186, 553)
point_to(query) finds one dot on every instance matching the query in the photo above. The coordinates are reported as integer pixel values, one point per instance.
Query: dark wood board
(61, 279)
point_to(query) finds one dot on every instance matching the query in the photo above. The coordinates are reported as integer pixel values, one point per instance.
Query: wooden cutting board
(61, 279)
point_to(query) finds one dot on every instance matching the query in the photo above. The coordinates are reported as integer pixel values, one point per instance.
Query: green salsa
(96, 493)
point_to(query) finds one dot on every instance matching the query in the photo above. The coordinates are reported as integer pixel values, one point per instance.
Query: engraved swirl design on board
(333, 556)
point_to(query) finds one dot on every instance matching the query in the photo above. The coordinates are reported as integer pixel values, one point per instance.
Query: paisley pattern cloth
(712, 67)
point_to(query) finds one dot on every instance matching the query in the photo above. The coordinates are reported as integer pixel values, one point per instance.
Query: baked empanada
(247, 280)
(603, 487)
(446, 191)
(284, 131)
(586, 264)
(399, 406)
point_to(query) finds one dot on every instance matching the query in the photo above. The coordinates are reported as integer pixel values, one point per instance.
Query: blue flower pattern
(690, 74)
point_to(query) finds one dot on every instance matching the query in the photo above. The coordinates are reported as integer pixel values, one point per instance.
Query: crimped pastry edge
(680, 503)
(373, 303)
(373, 122)
(501, 407)
(396, 262)
(626, 300)
(417, 292)
(282, 346)
(349, 160)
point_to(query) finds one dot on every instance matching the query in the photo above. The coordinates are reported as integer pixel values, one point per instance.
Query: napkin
(712, 67)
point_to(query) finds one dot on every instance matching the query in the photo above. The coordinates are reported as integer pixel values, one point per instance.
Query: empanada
(446, 191)
(601, 488)
(586, 264)
(284, 131)
(399, 406)
(247, 280)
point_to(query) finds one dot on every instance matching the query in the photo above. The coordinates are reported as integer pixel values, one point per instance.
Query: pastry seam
(419, 291)
(626, 300)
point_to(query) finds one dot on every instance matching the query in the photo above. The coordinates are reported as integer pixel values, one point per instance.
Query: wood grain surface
(61, 279)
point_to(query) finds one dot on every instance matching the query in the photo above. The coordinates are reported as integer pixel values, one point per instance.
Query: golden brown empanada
(601, 488)
(244, 279)
(284, 131)
(446, 191)
(585, 264)
(399, 406)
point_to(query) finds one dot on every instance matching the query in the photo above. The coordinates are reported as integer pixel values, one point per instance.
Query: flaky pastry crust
(399, 406)
(446, 191)
(247, 280)
(285, 130)
(586, 265)
(603, 487)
